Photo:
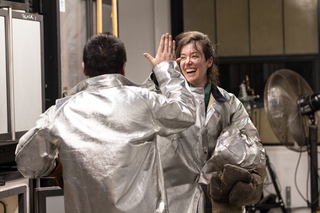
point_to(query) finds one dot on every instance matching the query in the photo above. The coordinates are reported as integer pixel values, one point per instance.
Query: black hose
(4, 207)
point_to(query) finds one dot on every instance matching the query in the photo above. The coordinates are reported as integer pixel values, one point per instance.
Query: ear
(123, 70)
(209, 62)
(84, 69)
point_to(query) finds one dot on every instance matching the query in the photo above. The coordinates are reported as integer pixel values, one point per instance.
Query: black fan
(292, 111)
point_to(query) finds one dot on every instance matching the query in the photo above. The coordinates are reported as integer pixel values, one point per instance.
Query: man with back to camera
(105, 132)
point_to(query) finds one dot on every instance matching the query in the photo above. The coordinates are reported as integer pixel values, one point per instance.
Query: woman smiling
(209, 166)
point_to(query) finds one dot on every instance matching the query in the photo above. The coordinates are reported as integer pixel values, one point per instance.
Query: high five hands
(166, 50)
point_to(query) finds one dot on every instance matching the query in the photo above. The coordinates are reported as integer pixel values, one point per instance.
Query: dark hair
(203, 40)
(104, 54)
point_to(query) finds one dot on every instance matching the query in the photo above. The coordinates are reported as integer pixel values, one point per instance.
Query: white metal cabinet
(27, 71)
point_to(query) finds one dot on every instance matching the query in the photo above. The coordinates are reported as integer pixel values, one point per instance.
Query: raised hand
(166, 50)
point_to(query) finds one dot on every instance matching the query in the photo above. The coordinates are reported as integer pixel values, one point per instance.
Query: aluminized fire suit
(222, 134)
(105, 135)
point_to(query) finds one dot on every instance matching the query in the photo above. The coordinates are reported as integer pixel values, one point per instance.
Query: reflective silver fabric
(105, 134)
(224, 132)
(232, 147)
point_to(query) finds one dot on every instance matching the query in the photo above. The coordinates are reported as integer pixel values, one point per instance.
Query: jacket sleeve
(239, 143)
(36, 152)
(173, 107)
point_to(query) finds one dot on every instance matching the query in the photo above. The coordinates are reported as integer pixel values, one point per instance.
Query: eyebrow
(192, 53)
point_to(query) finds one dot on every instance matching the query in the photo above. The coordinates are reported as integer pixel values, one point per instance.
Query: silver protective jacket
(223, 134)
(105, 135)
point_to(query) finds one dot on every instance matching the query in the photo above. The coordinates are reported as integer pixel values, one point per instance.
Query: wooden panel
(301, 30)
(200, 17)
(232, 27)
(266, 27)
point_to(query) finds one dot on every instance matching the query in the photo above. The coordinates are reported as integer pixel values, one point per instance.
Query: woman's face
(194, 65)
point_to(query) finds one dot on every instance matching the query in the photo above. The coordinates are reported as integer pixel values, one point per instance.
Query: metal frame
(12, 135)
(176, 17)
(6, 136)
(42, 193)
(280, 204)
(89, 12)
(22, 197)
(52, 60)
(10, 74)
(313, 58)
(89, 18)
(38, 18)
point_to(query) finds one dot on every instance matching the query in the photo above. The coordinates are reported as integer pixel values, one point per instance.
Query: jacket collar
(218, 96)
(101, 81)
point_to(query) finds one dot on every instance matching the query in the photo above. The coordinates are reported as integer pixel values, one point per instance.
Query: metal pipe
(115, 17)
(11, 86)
(89, 19)
(313, 154)
(99, 16)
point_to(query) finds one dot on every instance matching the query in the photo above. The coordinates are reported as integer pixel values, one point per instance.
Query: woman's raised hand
(166, 50)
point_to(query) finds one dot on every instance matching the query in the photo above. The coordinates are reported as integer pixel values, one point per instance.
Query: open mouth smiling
(189, 71)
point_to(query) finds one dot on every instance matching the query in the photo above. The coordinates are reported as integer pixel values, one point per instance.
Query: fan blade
(282, 91)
